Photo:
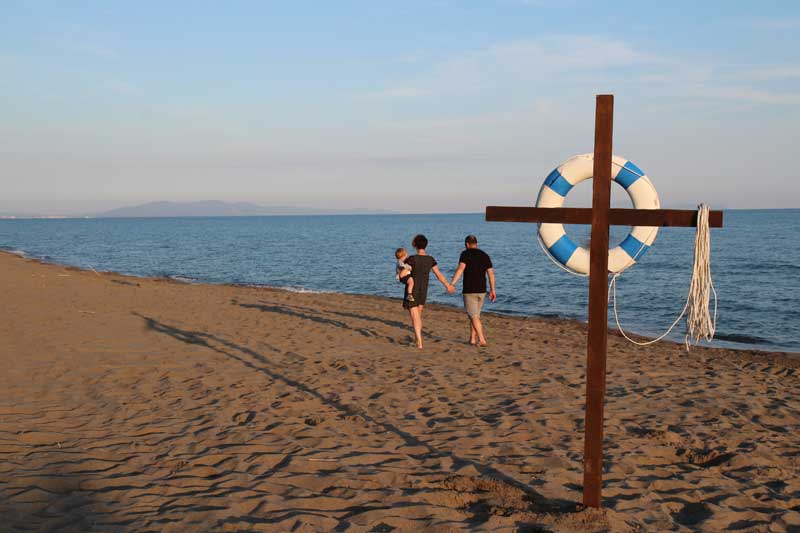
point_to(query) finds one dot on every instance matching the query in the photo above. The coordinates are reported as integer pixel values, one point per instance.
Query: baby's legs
(410, 285)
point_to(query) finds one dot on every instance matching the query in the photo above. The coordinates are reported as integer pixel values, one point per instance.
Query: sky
(438, 106)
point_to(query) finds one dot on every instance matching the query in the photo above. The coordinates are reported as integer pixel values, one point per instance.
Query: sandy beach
(133, 404)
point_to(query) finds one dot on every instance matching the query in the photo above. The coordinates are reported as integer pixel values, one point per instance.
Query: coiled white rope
(700, 321)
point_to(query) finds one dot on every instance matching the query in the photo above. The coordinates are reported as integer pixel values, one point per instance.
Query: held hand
(492, 296)
(451, 289)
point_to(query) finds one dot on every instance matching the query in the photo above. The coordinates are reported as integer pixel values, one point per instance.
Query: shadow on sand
(259, 362)
(313, 315)
(288, 311)
(53, 500)
(359, 316)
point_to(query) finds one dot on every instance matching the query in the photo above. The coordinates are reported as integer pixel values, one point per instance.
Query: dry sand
(146, 405)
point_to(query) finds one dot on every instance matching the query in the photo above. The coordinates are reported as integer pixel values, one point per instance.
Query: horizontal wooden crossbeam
(616, 217)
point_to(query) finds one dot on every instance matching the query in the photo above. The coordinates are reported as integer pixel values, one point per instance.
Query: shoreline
(748, 352)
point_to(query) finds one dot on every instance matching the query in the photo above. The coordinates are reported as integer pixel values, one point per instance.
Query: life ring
(580, 168)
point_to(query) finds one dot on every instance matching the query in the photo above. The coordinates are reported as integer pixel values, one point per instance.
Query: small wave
(289, 288)
(742, 339)
(781, 267)
(182, 279)
(301, 290)
(15, 251)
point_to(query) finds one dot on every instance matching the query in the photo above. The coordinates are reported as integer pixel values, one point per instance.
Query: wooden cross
(600, 216)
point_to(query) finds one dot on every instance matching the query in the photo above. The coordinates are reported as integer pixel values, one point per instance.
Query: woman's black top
(421, 266)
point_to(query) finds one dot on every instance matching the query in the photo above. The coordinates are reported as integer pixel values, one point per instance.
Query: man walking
(475, 264)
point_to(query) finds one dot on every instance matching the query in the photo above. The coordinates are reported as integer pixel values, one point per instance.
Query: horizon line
(286, 215)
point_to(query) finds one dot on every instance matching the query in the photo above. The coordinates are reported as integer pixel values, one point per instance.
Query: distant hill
(216, 208)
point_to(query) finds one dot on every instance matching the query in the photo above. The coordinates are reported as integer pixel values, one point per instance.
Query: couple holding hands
(474, 264)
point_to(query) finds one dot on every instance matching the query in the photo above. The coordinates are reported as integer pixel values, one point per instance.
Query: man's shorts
(473, 301)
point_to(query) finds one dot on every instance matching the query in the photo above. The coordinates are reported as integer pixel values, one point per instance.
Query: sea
(755, 263)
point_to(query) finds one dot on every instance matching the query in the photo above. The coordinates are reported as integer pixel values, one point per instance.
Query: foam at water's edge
(21, 253)
(295, 288)
(182, 279)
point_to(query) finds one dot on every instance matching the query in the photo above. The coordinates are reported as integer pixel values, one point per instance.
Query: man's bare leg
(478, 328)
(473, 336)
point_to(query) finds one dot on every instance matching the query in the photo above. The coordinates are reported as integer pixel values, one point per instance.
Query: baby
(403, 271)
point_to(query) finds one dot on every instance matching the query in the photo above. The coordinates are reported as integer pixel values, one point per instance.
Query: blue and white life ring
(575, 170)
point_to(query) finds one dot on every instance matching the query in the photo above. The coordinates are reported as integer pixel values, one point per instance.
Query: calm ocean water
(755, 262)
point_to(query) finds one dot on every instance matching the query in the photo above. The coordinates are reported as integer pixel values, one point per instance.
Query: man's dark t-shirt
(478, 263)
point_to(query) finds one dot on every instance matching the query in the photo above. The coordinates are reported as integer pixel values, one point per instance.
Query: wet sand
(133, 404)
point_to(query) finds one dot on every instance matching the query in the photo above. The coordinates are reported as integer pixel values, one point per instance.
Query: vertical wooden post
(600, 216)
(598, 303)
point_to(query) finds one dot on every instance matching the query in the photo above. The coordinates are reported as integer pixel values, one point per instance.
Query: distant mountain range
(216, 208)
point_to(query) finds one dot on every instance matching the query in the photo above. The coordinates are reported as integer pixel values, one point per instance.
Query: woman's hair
(399, 252)
(420, 242)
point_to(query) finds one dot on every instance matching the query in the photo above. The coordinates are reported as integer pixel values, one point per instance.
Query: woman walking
(421, 266)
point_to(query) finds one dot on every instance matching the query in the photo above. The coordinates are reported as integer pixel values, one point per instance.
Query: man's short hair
(420, 242)
(471, 239)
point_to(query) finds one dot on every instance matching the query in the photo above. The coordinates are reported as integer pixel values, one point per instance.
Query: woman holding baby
(414, 296)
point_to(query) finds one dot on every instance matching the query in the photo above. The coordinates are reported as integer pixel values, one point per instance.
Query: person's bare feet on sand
(413, 342)
(474, 341)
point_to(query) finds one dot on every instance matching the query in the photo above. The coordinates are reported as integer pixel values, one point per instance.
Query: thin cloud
(597, 62)
(122, 87)
(513, 62)
(771, 73)
(391, 93)
(757, 96)
(775, 23)
(100, 51)
(727, 83)
(410, 58)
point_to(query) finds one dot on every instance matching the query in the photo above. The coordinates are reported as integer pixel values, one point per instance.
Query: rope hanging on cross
(600, 216)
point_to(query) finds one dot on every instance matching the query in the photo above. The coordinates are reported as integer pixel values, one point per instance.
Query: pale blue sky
(412, 106)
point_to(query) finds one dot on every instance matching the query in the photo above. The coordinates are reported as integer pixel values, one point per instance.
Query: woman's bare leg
(416, 322)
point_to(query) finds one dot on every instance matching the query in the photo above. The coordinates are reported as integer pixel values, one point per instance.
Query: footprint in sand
(692, 514)
(244, 417)
(314, 420)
